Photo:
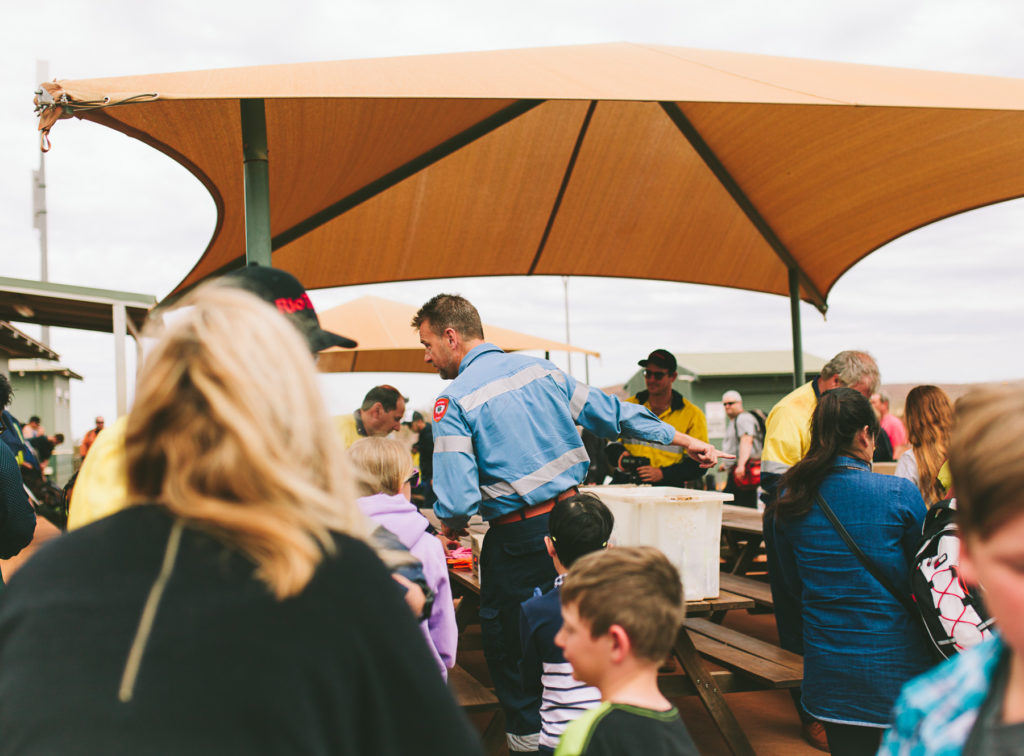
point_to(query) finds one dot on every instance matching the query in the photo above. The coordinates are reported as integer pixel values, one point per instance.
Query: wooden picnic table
(743, 532)
(750, 664)
(701, 680)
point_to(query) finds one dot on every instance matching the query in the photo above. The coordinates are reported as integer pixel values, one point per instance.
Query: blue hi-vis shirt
(505, 433)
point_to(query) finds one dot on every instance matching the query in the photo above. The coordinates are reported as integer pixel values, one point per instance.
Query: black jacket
(341, 668)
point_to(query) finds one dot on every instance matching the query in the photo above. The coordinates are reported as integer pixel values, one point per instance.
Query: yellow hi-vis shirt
(682, 415)
(350, 427)
(102, 484)
(788, 430)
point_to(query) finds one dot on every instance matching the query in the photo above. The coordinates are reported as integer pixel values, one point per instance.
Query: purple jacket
(397, 514)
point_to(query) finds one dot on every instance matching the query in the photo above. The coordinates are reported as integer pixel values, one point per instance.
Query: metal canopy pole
(120, 367)
(257, 182)
(794, 313)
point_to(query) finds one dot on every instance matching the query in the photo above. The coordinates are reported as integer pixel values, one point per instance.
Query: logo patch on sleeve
(440, 407)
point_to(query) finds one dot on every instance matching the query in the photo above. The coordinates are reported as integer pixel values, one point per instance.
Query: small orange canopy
(638, 161)
(388, 344)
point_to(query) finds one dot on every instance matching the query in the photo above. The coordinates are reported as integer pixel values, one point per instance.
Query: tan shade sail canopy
(388, 344)
(639, 161)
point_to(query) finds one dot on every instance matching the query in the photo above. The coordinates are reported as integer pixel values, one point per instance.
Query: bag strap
(870, 566)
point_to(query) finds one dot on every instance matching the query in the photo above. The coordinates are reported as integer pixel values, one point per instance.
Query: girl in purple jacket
(388, 479)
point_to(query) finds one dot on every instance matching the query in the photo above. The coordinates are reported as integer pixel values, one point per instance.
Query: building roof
(42, 366)
(15, 343)
(66, 306)
(714, 364)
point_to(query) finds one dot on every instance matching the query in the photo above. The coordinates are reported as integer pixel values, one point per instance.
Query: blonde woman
(234, 606)
(928, 415)
(388, 479)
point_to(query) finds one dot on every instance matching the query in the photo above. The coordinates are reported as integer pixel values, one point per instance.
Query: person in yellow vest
(669, 465)
(380, 413)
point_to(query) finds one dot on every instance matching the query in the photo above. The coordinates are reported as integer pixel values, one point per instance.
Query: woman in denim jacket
(859, 643)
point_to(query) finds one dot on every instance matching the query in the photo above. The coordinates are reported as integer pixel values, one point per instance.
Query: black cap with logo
(660, 358)
(284, 291)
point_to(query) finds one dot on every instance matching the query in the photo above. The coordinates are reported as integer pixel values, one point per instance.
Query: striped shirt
(545, 670)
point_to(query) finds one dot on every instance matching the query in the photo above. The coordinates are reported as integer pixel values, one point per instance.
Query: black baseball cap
(660, 358)
(284, 291)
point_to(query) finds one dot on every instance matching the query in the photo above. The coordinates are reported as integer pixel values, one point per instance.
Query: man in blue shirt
(506, 446)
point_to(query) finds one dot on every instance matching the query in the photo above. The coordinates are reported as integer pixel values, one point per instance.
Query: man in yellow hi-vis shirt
(670, 465)
(788, 428)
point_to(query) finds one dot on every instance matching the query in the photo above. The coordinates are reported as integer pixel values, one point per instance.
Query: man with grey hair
(788, 431)
(744, 438)
(787, 439)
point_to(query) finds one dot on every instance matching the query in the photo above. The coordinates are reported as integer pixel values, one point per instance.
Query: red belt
(535, 510)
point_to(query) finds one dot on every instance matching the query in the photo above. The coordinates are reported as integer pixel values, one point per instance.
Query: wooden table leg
(711, 696)
(468, 611)
(494, 741)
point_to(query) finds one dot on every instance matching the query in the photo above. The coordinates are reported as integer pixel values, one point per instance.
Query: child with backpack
(974, 702)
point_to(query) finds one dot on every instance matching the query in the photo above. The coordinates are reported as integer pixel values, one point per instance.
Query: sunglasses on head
(656, 374)
(414, 479)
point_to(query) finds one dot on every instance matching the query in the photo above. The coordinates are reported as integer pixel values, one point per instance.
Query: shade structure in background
(388, 343)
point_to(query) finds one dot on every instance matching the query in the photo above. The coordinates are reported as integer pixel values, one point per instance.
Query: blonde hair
(213, 437)
(928, 415)
(986, 458)
(383, 465)
(635, 587)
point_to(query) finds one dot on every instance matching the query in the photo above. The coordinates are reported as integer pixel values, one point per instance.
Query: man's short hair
(6, 392)
(34, 419)
(388, 397)
(635, 587)
(59, 438)
(852, 366)
(986, 458)
(732, 396)
(579, 525)
(450, 311)
(883, 397)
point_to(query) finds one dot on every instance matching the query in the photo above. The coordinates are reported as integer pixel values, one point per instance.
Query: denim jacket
(859, 644)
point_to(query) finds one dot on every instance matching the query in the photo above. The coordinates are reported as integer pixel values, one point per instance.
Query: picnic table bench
(743, 533)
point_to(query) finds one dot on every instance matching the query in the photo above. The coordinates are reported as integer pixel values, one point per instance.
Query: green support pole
(257, 182)
(794, 312)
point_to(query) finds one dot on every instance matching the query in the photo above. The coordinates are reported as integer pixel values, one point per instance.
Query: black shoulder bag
(870, 566)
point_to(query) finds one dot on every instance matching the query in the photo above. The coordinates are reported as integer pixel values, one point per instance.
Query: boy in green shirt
(621, 610)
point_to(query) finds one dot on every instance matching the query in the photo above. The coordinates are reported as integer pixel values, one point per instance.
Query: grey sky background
(941, 304)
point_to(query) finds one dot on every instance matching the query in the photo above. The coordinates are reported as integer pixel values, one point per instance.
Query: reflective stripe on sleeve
(579, 400)
(453, 444)
(501, 386)
(496, 490)
(537, 478)
(773, 467)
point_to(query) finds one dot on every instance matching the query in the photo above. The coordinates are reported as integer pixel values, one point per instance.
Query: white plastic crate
(684, 524)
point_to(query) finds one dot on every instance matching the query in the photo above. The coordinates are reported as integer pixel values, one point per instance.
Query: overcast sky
(941, 304)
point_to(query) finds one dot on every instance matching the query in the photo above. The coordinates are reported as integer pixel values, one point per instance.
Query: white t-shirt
(906, 467)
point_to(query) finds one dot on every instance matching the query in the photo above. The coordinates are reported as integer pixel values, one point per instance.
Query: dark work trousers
(741, 497)
(512, 563)
(853, 740)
